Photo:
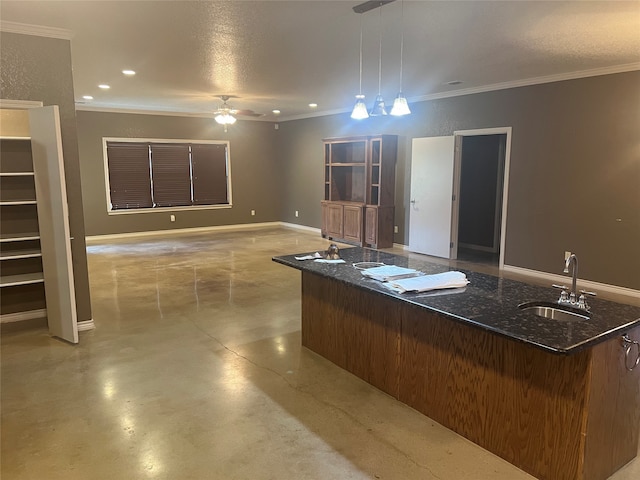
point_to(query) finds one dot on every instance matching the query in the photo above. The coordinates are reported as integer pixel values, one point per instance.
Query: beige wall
(255, 170)
(575, 169)
(39, 69)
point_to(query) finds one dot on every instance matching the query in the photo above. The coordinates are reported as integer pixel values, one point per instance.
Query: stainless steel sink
(554, 311)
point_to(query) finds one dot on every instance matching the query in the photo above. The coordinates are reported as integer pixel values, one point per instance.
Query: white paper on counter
(388, 273)
(430, 282)
(309, 257)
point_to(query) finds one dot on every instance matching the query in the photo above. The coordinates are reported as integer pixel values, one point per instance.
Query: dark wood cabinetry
(359, 189)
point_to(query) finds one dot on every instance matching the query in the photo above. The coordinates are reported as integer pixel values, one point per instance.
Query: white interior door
(53, 222)
(432, 220)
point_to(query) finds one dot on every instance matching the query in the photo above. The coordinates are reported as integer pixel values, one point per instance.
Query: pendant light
(378, 105)
(400, 106)
(360, 109)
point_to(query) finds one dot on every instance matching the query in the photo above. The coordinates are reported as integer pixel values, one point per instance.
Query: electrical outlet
(395, 229)
(567, 255)
(296, 213)
(253, 212)
(172, 218)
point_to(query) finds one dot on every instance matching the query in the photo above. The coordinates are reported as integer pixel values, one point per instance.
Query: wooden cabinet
(359, 189)
(36, 277)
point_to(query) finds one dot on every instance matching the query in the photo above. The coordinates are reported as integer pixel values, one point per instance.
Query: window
(166, 174)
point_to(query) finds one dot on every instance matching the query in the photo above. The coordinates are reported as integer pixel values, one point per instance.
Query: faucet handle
(582, 301)
(564, 298)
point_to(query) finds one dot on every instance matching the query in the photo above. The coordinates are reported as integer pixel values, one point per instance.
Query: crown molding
(37, 30)
(168, 113)
(595, 72)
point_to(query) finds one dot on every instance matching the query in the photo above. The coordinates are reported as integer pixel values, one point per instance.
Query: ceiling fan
(226, 115)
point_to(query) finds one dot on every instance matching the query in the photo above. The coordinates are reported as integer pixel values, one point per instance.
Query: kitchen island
(553, 397)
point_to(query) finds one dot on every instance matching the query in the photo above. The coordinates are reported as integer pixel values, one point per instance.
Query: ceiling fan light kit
(226, 115)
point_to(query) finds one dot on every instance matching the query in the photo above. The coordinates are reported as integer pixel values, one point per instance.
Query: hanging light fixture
(378, 104)
(225, 119)
(360, 109)
(400, 105)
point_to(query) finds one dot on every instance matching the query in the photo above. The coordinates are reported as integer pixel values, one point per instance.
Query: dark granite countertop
(488, 302)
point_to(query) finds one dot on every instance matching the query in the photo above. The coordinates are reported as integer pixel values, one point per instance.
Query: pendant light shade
(360, 109)
(378, 105)
(378, 108)
(400, 105)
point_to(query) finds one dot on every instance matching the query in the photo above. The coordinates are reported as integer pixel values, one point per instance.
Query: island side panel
(344, 325)
(614, 410)
(518, 402)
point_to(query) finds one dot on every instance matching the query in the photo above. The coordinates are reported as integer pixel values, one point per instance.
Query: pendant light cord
(360, 88)
(401, 40)
(380, 55)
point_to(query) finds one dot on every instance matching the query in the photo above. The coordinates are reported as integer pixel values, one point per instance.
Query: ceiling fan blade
(245, 113)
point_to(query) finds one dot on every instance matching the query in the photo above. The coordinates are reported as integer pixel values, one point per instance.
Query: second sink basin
(554, 311)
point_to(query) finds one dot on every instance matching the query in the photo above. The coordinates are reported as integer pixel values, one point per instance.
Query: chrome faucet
(574, 278)
(572, 298)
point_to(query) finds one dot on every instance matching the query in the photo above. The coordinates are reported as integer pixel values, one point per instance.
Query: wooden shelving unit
(359, 188)
(21, 273)
(36, 275)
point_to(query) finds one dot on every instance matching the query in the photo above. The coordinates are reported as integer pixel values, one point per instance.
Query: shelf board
(16, 174)
(358, 164)
(17, 254)
(17, 202)
(23, 279)
(19, 237)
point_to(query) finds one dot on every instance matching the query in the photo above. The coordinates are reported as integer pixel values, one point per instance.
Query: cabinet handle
(627, 344)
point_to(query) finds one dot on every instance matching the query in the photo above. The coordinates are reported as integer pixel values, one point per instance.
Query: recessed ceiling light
(104, 86)
(454, 82)
(128, 72)
(87, 97)
(276, 112)
(313, 105)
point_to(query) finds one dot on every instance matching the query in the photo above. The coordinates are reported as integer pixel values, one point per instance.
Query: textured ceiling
(286, 54)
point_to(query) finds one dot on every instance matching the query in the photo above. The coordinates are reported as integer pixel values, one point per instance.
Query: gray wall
(575, 169)
(255, 170)
(39, 69)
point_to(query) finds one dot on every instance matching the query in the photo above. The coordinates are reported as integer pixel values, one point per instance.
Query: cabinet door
(371, 226)
(352, 223)
(53, 222)
(334, 220)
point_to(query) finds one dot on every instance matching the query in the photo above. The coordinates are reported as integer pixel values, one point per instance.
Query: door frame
(505, 181)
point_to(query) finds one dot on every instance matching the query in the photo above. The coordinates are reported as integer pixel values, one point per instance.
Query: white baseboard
(180, 231)
(86, 325)
(563, 279)
(300, 227)
(21, 316)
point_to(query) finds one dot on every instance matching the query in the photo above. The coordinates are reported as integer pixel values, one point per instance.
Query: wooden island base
(554, 416)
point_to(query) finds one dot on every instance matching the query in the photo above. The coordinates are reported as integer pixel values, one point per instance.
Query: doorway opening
(438, 189)
(482, 160)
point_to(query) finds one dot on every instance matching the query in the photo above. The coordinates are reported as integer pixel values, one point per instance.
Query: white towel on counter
(429, 282)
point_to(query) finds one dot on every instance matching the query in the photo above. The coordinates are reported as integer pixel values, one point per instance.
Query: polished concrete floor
(195, 371)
